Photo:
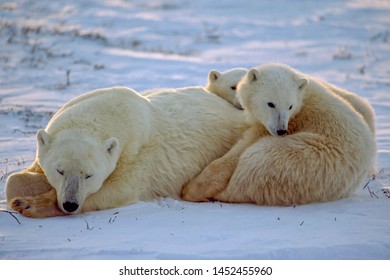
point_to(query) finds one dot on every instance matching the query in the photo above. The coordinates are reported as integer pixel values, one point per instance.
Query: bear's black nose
(70, 206)
(281, 132)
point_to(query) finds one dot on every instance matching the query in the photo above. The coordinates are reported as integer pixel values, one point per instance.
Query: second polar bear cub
(224, 84)
(305, 145)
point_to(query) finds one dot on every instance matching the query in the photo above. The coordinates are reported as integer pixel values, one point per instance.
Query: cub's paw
(193, 192)
(212, 180)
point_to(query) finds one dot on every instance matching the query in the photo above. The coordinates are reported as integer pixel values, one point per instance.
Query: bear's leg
(215, 177)
(26, 184)
(29, 193)
(40, 206)
(229, 195)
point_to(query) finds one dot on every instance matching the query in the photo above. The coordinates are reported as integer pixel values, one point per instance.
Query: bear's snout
(70, 207)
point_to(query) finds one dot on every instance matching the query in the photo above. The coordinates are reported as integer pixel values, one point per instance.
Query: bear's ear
(112, 146)
(214, 75)
(253, 75)
(302, 83)
(43, 138)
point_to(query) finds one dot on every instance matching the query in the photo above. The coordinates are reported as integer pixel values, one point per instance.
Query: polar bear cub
(305, 145)
(361, 105)
(224, 84)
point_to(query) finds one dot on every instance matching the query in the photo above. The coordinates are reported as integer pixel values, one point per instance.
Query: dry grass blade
(12, 214)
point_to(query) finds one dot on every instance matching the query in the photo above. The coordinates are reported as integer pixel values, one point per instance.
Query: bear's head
(271, 94)
(225, 84)
(76, 165)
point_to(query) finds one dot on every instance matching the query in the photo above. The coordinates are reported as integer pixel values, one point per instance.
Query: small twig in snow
(4, 174)
(368, 182)
(67, 77)
(12, 214)
(379, 172)
(88, 228)
(111, 220)
(372, 193)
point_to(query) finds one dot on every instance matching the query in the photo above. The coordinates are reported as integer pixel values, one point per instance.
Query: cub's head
(76, 166)
(225, 84)
(271, 94)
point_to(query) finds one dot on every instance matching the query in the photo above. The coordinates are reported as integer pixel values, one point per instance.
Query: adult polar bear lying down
(112, 147)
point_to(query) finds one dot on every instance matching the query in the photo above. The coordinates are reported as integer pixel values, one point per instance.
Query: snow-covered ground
(51, 51)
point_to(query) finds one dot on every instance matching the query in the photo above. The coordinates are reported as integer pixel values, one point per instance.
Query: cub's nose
(281, 132)
(70, 206)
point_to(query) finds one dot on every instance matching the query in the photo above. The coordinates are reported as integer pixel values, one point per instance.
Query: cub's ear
(43, 138)
(112, 146)
(214, 75)
(302, 83)
(253, 75)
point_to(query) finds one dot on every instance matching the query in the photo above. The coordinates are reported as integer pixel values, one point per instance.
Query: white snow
(51, 51)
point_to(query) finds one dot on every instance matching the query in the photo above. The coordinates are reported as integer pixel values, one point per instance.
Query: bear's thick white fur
(224, 84)
(305, 145)
(112, 147)
(361, 105)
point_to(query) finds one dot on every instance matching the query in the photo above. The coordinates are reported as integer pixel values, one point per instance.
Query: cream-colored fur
(306, 145)
(224, 84)
(361, 105)
(112, 147)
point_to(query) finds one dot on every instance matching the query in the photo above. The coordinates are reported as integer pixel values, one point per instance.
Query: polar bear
(305, 145)
(113, 147)
(361, 105)
(225, 84)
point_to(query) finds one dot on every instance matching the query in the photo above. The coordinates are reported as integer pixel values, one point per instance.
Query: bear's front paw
(193, 192)
(41, 206)
(211, 181)
(22, 205)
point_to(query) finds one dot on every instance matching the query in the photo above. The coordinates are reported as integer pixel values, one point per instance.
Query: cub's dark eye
(88, 176)
(60, 172)
(271, 105)
(233, 87)
(290, 107)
